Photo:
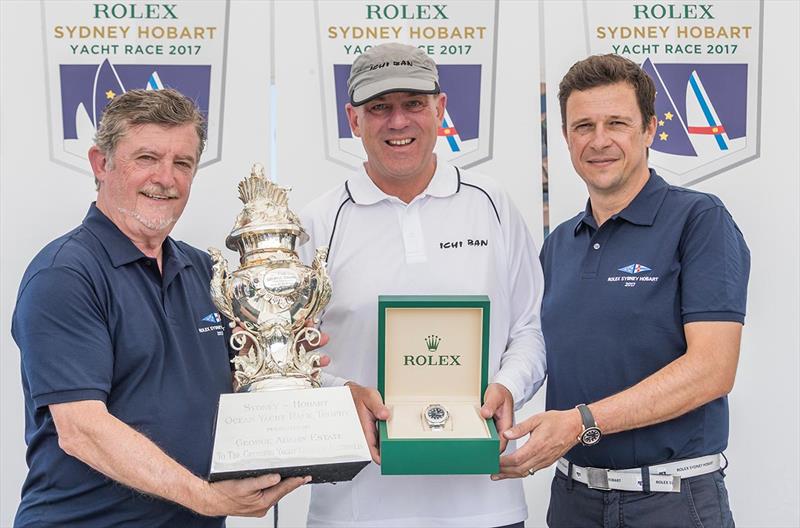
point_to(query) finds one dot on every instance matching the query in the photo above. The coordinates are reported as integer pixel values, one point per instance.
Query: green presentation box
(434, 351)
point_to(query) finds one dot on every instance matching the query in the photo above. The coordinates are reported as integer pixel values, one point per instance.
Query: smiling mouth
(399, 142)
(153, 196)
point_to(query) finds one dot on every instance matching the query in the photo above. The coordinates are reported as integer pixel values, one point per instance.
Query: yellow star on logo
(668, 116)
(661, 123)
(715, 130)
(663, 136)
(110, 94)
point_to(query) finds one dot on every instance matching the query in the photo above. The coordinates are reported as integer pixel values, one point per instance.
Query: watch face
(435, 414)
(590, 436)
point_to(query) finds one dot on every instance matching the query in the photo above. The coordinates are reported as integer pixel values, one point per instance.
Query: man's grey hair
(167, 107)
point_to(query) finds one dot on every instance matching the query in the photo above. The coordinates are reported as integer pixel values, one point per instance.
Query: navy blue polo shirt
(615, 302)
(96, 320)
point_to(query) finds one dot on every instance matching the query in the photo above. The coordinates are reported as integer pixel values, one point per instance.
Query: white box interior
(414, 377)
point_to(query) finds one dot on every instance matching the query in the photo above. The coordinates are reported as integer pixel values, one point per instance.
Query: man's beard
(154, 224)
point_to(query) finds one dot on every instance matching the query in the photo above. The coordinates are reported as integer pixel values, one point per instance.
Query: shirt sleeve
(329, 380)
(61, 330)
(523, 365)
(715, 268)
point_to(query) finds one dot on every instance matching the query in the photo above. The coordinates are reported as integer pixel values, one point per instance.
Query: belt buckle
(597, 478)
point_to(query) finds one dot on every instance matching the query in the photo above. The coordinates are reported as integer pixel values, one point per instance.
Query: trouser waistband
(661, 477)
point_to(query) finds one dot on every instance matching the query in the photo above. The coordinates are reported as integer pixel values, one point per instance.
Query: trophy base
(297, 432)
(319, 474)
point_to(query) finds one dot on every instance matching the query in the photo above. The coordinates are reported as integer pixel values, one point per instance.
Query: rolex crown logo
(432, 342)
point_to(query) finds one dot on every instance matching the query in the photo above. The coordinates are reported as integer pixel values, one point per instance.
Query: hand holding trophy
(272, 424)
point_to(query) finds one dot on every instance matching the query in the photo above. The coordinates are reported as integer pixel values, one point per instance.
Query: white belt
(663, 477)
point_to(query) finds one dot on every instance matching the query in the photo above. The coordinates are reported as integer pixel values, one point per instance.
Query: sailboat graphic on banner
(703, 124)
(701, 112)
(106, 85)
(154, 82)
(449, 133)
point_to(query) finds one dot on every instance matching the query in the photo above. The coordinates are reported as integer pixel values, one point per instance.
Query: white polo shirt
(460, 236)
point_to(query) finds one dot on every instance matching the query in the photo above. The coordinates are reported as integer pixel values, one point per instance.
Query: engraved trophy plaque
(278, 420)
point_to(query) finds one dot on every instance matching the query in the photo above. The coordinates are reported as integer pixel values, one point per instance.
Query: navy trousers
(702, 503)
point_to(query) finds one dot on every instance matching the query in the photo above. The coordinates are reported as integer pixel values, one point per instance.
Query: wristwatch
(591, 433)
(435, 416)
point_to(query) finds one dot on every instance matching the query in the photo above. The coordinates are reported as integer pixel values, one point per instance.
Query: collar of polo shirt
(641, 211)
(363, 190)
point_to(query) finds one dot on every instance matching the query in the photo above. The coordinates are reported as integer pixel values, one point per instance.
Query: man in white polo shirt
(407, 224)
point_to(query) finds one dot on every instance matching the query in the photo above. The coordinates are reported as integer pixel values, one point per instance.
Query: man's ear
(441, 104)
(650, 131)
(353, 119)
(98, 160)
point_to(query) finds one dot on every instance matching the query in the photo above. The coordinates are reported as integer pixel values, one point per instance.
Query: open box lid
(433, 348)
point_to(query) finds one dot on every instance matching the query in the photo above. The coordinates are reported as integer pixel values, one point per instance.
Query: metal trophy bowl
(272, 295)
(272, 423)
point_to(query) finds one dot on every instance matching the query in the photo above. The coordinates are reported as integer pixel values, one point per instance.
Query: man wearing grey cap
(407, 223)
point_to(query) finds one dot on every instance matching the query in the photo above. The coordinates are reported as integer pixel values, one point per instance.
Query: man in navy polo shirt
(642, 316)
(123, 352)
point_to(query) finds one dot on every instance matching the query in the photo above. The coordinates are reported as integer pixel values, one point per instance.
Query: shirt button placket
(591, 262)
(413, 238)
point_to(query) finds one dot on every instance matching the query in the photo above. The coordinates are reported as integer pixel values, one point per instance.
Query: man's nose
(164, 173)
(398, 118)
(600, 137)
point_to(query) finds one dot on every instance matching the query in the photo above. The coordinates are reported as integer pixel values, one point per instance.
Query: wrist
(576, 424)
(590, 433)
(199, 497)
(503, 389)
(355, 388)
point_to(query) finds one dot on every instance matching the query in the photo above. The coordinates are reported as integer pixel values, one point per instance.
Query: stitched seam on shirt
(336, 221)
(51, 265)
(487, 196)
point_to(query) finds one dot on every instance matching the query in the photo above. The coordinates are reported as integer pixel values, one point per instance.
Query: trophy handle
(219, 284)
(250, 364)
(308, 361)
(322, 293)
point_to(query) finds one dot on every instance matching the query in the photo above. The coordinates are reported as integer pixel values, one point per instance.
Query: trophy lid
(266, 210)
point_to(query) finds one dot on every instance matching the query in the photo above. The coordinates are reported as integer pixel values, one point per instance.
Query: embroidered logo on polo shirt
(213, 318)
(633, 277)
(635, 268)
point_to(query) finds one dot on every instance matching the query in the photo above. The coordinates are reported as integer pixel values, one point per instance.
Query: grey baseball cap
(391, 67)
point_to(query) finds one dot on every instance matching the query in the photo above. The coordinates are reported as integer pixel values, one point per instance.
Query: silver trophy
(272, 298)
(272, 423)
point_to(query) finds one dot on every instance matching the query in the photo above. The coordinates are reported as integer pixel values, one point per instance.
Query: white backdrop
(40, 200)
